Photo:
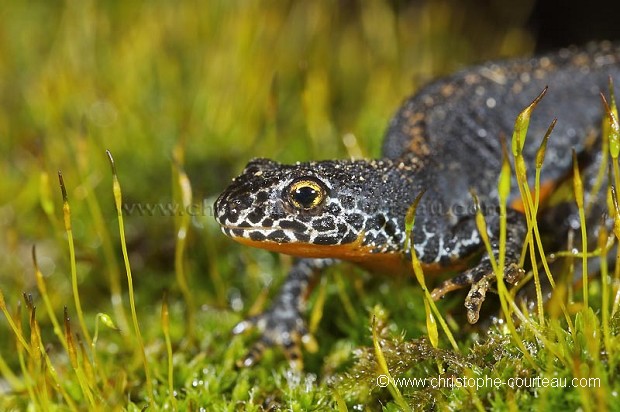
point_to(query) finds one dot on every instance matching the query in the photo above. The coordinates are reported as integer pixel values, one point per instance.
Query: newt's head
(315, 209)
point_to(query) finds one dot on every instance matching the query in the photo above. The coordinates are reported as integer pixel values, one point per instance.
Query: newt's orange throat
(445, 141)
(353, 251)
(391, 263)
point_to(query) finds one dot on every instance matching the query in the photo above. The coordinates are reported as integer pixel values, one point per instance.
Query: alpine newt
(445, 140)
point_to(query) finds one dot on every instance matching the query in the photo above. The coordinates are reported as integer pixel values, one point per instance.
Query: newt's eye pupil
(305, 196)
(306, 193)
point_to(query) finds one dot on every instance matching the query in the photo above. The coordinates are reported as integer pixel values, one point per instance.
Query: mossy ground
(192, 89)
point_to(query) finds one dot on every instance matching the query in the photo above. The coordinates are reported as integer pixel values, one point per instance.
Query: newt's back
(456, 123)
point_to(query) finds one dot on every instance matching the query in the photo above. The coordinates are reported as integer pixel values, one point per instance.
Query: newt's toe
(279, 327)
(475, 298)
(480, 278)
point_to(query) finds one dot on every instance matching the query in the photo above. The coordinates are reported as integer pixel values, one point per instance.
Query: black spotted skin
(446, 141)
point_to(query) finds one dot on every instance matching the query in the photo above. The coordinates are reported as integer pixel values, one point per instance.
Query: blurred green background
(225, 80)
(210, 84)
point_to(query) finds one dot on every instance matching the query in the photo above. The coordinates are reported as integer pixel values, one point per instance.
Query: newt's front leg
(283, 323)
(481, 276)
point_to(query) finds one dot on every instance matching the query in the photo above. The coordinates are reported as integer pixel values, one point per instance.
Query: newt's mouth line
(290, 232)
(259, 228)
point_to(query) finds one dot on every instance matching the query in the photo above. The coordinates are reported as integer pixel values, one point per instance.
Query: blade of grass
(46, 300)
(602, 243)
(540, 158)
(531, 207)
(28, 379)
(15, 327)
(74, 283)
(165, 325)
(419, 275)
(116, 188)
(506, 301)
(578, 188)
(340, 402)
(58, 385)
(35, 360)
(319, 304)
(613, 135)
(531, 210)
(344, 297)
(518, 142)
(615, 211)
(107, 321)
(87, 367)
(383, 368)
(46, 366)
(73, 359)
(182, 228)
(99, 223)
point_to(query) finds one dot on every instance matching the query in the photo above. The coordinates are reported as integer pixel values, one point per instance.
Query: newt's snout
(251, 208)
(229, 207)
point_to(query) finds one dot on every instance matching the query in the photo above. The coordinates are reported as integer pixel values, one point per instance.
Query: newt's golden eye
(306, 193)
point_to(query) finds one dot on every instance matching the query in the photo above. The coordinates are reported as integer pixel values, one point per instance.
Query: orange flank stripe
(546, 189)
(388, 263)
(354, 251)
